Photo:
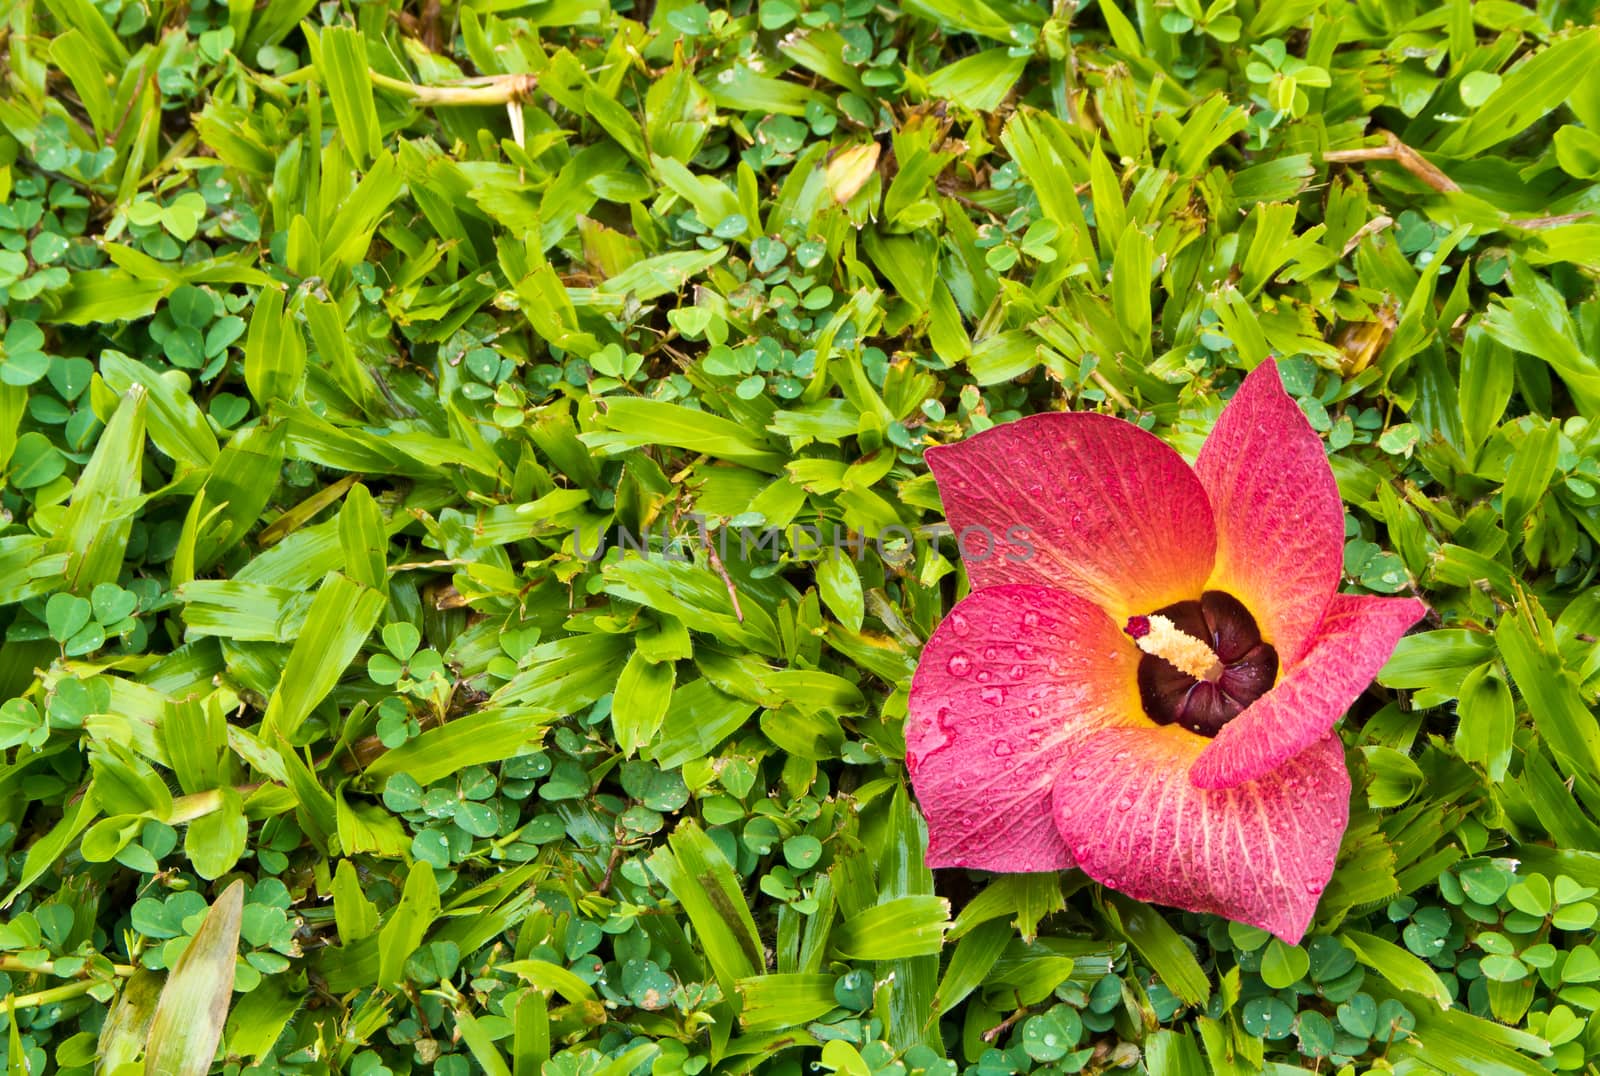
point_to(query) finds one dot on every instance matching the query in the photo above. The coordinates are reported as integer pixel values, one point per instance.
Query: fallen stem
(1003, 1026)
(1533, 224)
(1397, 151)
(199, 804)
(727, 580)
(54, 994)
(1110, 390)
(1373, 226)
(497, 90)
(48, 967)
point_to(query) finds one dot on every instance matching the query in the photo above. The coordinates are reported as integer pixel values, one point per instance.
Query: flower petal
(1280, 524)
(1355, 638)
(1085, 502)
(1011, 680)
(1260, 853)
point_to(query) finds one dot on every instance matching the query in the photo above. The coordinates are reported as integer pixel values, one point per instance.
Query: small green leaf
(802, 852)
(1162, 947)
(1359, 1016)
(35, 462)
(639, 705)
(840, 586)
(1488, 721)
(341, 617)
(1399, 967)
(215, 841)
(344, 69)
(65, 615)
(353, 913)
(1283, 965)
(1478, 86)
(408, 924)
(905, 926)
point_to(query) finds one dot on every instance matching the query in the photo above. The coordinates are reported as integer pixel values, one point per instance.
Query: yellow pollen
(1180, 650)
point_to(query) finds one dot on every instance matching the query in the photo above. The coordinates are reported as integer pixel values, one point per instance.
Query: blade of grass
(189, 1018)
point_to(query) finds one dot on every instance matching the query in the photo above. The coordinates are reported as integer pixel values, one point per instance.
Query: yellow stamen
(1179, 649)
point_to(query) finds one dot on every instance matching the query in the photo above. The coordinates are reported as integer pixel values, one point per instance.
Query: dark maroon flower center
(1249, 665)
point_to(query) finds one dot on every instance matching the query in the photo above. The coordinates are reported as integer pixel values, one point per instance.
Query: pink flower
(1145, 678)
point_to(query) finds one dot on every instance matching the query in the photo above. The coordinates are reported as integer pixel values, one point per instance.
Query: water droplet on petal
(1016, 672)
(1120, 756)
(1030, 619)
(958, 624)
(1082, 773)
(984, 676)
(959, 665)
(994, 696)
(1125, 803)
(1314, 887)
(1001, 749)
(988, 653)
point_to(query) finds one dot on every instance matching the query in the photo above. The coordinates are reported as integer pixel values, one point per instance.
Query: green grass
(323, 372)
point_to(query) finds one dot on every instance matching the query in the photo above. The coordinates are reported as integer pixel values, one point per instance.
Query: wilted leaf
(189, 1018)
